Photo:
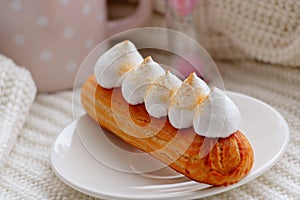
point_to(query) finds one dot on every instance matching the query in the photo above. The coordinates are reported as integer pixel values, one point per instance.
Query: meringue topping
(188, 103)
(184, 103)
(136, 81)
(114, 63)
(159, 93)
(217, 116)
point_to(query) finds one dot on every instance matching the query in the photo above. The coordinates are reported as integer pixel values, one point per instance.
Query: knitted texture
(268, 31)
(17, 92)
(28, 175)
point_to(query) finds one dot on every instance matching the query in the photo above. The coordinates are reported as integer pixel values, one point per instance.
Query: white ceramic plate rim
(202, 193)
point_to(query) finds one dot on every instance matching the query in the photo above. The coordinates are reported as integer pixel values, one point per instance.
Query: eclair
(168, 118)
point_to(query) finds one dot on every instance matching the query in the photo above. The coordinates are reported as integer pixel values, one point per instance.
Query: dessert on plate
(187, 125)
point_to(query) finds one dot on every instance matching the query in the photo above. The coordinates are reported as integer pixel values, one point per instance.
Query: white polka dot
(86, 9)
(71, 67)
(46, 55)
(19, 39)
(16, 5)
(69, 33)
(100, 17)
(42, 21)
(63, 2)
(89, 43)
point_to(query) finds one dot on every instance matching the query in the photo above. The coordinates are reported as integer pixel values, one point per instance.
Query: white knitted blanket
(268, 30)
(17, 91)
(25, 171)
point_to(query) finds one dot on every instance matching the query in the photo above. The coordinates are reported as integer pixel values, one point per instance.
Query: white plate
(99, 164)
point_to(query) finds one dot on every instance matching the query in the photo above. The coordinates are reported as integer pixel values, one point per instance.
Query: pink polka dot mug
(51, 38)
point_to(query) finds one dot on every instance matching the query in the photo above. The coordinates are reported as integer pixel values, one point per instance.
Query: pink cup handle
(136, 19)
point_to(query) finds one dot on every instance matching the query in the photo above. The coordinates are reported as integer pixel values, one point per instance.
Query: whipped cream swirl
(217, 116)
(184, 103)
(136, 81)
(159, 93)
(114, 63)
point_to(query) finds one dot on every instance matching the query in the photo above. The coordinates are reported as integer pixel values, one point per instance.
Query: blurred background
(52, 38)
(267, 31)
